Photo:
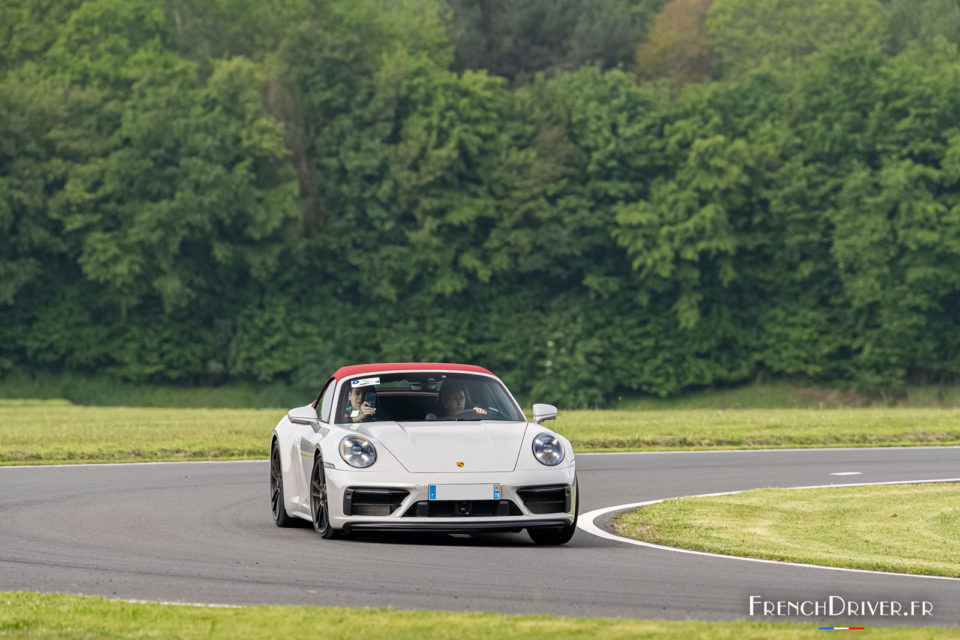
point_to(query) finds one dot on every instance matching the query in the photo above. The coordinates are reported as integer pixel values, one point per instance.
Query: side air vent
(372, 501)
(548, 499)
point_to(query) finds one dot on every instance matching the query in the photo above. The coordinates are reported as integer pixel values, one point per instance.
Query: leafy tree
(745, 33)
(321, 86)
(26, 152)
(222, 29)
(516, 39)
(676, 46)
(879, 137)
(48, 131)
(29, 27)
(920, 22)
(160, 190)
(700, 242)
(192, 189)
(109, 43)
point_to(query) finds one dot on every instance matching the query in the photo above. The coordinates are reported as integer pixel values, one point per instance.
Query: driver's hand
(480, 410)
(365, 411)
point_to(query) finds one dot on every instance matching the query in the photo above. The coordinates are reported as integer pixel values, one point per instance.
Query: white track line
(795, 450)
(167, 603)
(81, 465)
(587, 523)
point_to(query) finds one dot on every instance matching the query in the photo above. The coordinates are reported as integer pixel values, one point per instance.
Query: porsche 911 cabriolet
(422, 447)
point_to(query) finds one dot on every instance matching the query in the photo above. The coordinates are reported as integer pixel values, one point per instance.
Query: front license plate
(464, 491)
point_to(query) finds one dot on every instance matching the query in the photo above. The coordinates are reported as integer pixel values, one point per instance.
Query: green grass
(786, 395)
(104, 390)
(625, 430)
(38, 616)
(898, 528)
(55, 431)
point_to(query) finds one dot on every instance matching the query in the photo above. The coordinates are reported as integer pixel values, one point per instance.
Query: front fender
(330, 450)
(285, 434)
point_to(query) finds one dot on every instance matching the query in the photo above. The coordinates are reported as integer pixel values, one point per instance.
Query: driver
(357, 409)
(453, 399)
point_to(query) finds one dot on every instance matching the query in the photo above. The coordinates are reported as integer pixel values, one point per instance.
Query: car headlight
(547, 449)
(357, 451)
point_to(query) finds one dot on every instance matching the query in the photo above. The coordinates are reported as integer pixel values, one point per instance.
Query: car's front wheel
(319, 507)
(280, 517)
(557, 535)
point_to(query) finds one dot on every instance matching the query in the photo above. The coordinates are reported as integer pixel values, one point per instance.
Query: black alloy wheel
(280, 517)
(319, 508)
(558, 535)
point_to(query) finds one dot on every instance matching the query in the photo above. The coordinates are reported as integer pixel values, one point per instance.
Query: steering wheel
(467, 414)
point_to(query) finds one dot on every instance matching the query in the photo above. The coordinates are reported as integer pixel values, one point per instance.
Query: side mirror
(544, 412)
(303, 415)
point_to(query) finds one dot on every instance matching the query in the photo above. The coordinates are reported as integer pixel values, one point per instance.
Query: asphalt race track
(202, 532)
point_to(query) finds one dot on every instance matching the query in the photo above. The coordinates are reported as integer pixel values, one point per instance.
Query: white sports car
(422, 447)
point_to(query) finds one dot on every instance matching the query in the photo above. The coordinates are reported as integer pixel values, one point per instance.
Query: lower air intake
(547, 499)
(462, 509)
(372, 501)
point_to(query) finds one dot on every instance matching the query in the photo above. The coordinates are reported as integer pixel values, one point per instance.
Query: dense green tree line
(588, 197)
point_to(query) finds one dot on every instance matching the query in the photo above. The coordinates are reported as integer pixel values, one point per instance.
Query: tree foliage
(518, 38)
(920, 22)
(676, 46)
(233, 191)
(747, 32)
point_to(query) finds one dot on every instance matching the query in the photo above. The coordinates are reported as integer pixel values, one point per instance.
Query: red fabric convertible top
(359, 369)
(384, 367)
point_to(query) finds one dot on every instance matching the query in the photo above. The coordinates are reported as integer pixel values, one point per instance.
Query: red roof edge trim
(360, 369)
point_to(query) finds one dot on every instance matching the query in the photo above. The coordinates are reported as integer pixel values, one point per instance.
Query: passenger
(357, 409)
(453, 399)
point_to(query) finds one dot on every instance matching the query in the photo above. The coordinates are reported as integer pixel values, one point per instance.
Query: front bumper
(454, 527)
(407, 514)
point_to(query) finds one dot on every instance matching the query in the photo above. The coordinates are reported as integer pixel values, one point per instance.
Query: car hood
(431, 447)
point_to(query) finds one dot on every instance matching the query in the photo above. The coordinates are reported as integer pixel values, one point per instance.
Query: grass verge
(620, 430)
(55, 431)
(898, 528)
(29, 615)
(107, 391)
(797, 395)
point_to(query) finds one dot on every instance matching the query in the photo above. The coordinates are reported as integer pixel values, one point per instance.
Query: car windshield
(425, 396)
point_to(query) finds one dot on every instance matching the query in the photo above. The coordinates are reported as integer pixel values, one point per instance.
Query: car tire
(319, 507)
(557, 535)
(280, 517)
